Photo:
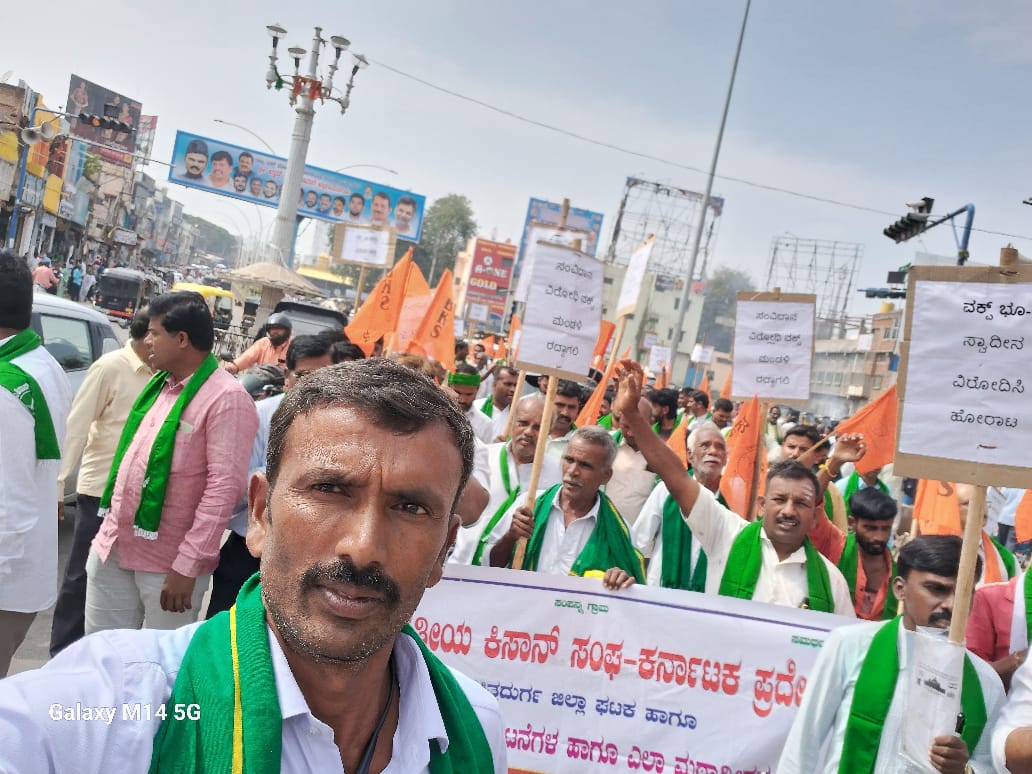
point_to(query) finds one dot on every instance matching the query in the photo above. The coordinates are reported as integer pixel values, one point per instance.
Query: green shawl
(677, 551)
(27, 390)
(159, 463)
(1028, 604)
(227, 672)
(512, 492)
(853, 484)
(848, 565)
(487, 408)
(875, 686)
(609, 545)
(1008, 558)
(746, 558)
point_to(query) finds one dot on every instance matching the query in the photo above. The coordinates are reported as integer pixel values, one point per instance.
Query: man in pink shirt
(44, 276)
(269, 350)
(180, 469)
(998, 627)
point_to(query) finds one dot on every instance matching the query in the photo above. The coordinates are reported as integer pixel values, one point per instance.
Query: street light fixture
(304, 91)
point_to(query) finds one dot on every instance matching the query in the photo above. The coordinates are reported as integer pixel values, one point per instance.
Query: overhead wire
(652, 157)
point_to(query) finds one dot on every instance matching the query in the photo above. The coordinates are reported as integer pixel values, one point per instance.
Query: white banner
(362, 244)
(645, 679)
(773, 350)
(659, 358)
(478, 312)
(563, 314)
(631, 288)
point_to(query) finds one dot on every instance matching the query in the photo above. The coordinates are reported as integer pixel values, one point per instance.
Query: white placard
(631, 288)
(967, 373)
(563, 314)
(933, 694)
(478, 312)
(460, 327)
(646, 679)
(659, 358)
(701, 354)
(648, 341)
(370, 246)
(542, 233)
(773, 350)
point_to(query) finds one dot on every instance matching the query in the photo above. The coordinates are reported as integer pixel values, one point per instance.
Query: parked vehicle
(220, 301)
(311, 318)
(120, 292)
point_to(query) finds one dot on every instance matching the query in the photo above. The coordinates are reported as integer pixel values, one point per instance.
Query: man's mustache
(943, 615)
(345, 572)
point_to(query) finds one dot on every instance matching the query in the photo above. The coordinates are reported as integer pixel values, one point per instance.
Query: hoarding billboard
(253, 176)
(88, 97)
(548, 213)
(490, 273)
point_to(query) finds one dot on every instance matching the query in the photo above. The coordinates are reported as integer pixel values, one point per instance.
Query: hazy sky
(872, 103)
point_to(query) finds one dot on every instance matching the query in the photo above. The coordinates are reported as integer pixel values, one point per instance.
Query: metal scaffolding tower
(825, 268)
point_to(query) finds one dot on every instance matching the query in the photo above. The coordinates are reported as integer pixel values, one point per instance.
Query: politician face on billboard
(244, 173)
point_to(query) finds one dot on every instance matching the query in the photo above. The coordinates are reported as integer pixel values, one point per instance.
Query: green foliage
(91, 167)
(212, 238)
(447, 226)
(719, 302)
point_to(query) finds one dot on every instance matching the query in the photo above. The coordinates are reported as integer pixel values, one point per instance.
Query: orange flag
(725, 391)
(512, 346)
(662, 379)
(1023, 518)
(435, 336)
(593, 406)
(745, 452)
(378, 315)
(704, 384)
(877, 421)
(414, 303)
(937, 508)
(678, 441)
(605, 333)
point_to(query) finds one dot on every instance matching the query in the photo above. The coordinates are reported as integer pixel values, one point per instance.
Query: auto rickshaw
(220, 302)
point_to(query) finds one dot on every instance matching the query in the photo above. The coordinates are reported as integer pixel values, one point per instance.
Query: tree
(719, 306)
(447, 225)
(213, 239)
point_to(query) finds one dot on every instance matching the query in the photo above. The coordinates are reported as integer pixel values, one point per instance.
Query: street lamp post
(304, 90)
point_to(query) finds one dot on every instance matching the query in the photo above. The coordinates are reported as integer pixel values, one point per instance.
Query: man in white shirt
(1012, 737)
(569, 399)
(35, 398)
(496, 405)
(707, 453)
(510, 463)
(632, 481)
(464, 382)
(95, 423)
(857, 693)
(351, 522)
(767, 560)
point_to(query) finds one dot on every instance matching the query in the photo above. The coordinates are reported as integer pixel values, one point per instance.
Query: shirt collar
(591, 514)
(133, 358)
(796, 557)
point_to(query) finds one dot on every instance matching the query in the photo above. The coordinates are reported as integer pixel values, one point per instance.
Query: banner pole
(966, 572)
(539, 456)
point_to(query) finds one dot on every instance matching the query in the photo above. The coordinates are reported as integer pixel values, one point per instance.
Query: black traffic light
(913, 223)
(103, 122)
(884, 292)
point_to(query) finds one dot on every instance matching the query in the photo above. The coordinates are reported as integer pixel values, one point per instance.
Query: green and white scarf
(511, 491)
(227, 672)
(848, 565)
(27, 390)
(872, 695)
(676, 570)
(745, 560)
(487, 407)
(159, 464)
(609, 545)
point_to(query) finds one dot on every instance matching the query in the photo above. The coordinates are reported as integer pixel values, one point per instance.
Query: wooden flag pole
(539, 456)
(520, 380)
(360, 285)
(761, 448)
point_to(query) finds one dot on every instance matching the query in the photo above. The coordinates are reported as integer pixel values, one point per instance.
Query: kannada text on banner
(646, 679)
(773, 349)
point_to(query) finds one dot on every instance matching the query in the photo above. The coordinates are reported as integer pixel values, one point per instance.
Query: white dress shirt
(781, 581)
(1016, 713)
(483, 427)
(814, 745)
(647, 535)
(631, 484)
(563, 543)
(499, 417)
(519, 475)
(28, 489)
(120, 667)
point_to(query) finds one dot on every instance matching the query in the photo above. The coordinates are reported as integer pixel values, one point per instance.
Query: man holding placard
(860, 696)
(769, 560)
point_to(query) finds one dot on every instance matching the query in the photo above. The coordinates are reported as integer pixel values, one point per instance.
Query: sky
(869, 104)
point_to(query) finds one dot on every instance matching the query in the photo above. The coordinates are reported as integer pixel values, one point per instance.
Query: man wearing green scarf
(574, 528)
(314, 669)
(853, 712)
(35, 399)
(767, 561)
(677, 559)
(178, 471)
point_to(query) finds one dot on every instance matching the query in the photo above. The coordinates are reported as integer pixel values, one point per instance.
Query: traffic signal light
(913, 223)
(103, 122)
(884, 292)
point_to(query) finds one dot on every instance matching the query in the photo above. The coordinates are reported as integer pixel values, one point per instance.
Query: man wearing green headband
(853, 712)
(35, 398)
(314, 668)
(465, 382)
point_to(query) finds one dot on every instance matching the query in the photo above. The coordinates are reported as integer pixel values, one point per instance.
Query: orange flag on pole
(704, 384)
(605, 334)
(678, 441)
(435, 336)
(593, 406)
(512, 346)
(662, 379)
(937, 508)
(725, 391)
(416, 301)
(746, 452)
(877, 421)
(378, 314)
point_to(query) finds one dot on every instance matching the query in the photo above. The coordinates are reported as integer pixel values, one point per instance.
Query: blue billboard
(543, 211)
(253, 176)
